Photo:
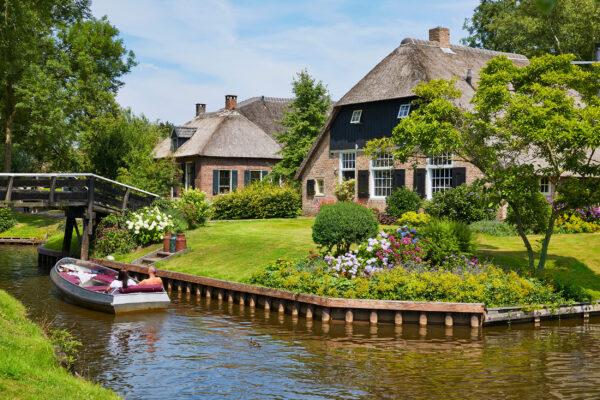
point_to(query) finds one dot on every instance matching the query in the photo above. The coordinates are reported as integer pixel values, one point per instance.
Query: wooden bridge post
(66, 245)
(88, 222)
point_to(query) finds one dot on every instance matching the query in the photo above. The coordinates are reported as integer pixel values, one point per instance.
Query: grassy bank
(233, 250)
(28, 366)
(32, 226)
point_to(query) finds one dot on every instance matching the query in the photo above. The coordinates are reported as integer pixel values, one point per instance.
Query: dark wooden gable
(377, 121)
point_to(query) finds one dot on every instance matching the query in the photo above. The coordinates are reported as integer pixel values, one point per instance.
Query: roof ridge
(259, 98)
(421, 42)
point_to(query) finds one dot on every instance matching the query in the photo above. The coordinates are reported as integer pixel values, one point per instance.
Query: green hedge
(256, 201)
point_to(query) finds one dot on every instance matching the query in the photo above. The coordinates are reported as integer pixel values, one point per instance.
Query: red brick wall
(324, 164)
(206, 165)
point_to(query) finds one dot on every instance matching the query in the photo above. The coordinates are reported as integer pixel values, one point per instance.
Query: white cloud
(192, 51)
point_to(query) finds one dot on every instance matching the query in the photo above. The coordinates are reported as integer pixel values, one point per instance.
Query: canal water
(200, 349)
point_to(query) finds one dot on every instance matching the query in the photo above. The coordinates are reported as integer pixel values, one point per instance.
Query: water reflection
(200, 348)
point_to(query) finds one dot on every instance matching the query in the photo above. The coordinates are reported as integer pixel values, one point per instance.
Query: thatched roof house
(374, 106)
(216, 149)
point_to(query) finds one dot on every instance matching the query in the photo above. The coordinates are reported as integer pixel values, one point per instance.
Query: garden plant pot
(167, 243)
(172, 243)
(180, 242)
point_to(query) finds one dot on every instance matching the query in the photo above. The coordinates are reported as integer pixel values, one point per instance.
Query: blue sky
(198, 51)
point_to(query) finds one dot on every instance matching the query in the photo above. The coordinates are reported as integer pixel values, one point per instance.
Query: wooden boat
(84, 283)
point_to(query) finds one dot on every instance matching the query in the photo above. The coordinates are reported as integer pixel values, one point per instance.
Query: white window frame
(356, 116)
(342, 168)
(375, 166)
(403, 111)
(260, 174)
(219, 181)
(318, 191)
(186, 175)
(443, 161)
(548, 184)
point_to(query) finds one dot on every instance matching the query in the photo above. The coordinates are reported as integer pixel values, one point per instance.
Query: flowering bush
(385, 251)
(460, 264)
(113, 240)
(194, 207)
(575, 223)
(414, 220)
(149, 225)
(323, 203)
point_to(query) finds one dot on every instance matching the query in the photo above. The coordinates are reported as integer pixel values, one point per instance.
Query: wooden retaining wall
(20, 240)
(309, 306)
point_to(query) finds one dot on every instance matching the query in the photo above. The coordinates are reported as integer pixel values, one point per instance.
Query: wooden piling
(448, 321)
(398, 318)
(474, 321)
(242, 300)
(230, 296)
(208, 292)
(349, 316)
(267, 304)
(252, 301)
(295, 309)
(220, 295)
(281, 308)
(423, 319)
(325, 315)
(309, 312)
(373, 317)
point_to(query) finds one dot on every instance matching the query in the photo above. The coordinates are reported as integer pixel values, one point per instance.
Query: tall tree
(541, 120)
(536, 27)
(59, 67)
(304, 120)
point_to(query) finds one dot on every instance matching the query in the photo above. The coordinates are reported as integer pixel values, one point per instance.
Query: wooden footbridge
(86, 196)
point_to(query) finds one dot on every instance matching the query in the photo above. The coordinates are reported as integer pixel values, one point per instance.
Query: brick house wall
(325, 164)
(204, 167)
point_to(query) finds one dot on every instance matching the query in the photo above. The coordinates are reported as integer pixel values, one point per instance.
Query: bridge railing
(71, 190)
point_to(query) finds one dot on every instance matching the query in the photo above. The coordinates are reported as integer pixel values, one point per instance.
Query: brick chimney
(230, 102)
(200, 109)
(440, 35)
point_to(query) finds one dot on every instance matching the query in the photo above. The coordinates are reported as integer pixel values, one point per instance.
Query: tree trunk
(530, 254)
(9, 118)
(546, 242)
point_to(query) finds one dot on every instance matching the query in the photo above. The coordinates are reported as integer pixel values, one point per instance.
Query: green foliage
(414, 220)
(341, 224)
(60, 69)
(303, 121)
(534, 213)
(402, 200)
(524, 125)
(463, 203)
(535, 27)
(258, 200)
(7, 220)
(344, 191)
(446, 238)
(67, 343)
(494, 228)
(194, 207)
(490, 285)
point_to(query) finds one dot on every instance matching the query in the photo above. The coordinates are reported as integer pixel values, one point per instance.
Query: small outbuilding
(229, 148)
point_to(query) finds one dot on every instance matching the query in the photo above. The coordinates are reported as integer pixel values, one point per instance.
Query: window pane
(224, 181)
(348, 160)
(346, 175)
(356, 116)
(439, 160)
(383, 161)
(189, 175)
(382, 183)
(320, 186)
(403, 111)
(441, 179)
(255, 176)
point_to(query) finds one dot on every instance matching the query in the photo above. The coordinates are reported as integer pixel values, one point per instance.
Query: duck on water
(86, 284)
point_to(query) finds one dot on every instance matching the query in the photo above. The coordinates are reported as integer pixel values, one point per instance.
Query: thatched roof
(412, 62)
(247, 132)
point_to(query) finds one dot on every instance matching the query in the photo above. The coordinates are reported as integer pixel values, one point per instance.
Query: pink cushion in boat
(104, 278)
(97, 288)
(109, 272)
(70, 278)
(142, 288)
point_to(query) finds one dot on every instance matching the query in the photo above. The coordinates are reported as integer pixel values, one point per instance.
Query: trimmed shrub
(414, 220)
(258, 200)
(446, 238)
(194, 207)
(463, 203)
(345, 191)
(535, 213)
(494, 228)
(341, 224)
(402, 200)
(6, 219)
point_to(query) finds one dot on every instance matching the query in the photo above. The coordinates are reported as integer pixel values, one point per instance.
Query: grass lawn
(233, 250)
(32, 226)
(28, 366)
(571, 257)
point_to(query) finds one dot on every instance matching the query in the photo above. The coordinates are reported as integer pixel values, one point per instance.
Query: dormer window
(356, 114)
(403, 111)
